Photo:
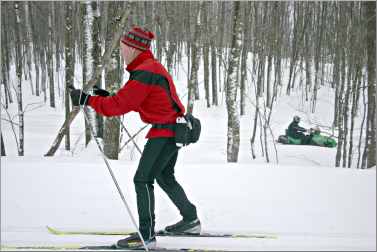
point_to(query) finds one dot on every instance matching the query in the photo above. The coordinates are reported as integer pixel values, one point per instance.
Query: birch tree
(5, 56)
(69, 65)
(89, 9)
(18, 60)
(233, 135)
(50, 57)
(28, 44)
(204, 18)
(96, 55)
(244, 58)
(192, 84)
(370, 17)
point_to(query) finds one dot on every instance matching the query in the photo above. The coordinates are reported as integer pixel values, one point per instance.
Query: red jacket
(146, 92)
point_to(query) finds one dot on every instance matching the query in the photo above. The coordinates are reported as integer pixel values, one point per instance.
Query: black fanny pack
(187, 129)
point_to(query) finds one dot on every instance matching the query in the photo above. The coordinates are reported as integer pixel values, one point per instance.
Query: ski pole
(115, 181)
(113, 176)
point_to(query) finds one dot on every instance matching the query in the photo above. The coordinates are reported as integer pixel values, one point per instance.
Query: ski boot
(134, 242)
(192, 227)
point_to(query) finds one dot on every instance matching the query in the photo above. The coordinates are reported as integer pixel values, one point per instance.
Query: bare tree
(50, 57)
(96, 55)
(206, 65)
(233, 134)
(19, 78)
(215, 99)
(5, 55)
(90, 61)
(28, 44)
(69, 65)
(2, 145)
(244, 56)
(112, 80)
(171, 32)
(370, 17)
(36, 48)
(192, 85)
(317, 58)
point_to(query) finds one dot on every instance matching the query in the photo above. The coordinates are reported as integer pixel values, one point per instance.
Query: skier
(295, 131)
(151, 92)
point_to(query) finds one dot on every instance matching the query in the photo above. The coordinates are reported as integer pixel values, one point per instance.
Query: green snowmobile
(314, 138)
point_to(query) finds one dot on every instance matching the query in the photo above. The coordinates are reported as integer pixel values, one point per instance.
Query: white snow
(308, 208)
(304, 200)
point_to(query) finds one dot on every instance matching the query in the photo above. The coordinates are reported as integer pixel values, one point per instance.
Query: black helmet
(296, 119)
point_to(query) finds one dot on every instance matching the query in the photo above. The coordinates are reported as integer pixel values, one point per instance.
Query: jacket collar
(139, 60)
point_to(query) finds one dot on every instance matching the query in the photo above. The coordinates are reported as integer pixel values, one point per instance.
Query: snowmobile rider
(151, 92)
(295, 131)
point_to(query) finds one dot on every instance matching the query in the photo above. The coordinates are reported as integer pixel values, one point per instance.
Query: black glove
(78, 97)
(100, 92)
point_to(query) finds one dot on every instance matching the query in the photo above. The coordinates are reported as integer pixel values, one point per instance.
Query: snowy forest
(247, 69)
(252, 54)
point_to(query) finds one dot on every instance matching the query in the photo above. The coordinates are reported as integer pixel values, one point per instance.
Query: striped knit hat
(138, 38)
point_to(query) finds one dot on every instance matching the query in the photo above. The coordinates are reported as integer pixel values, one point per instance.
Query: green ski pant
(157, 162)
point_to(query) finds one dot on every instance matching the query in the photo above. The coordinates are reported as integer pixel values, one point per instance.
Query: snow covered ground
(307, 207)
(304, 200)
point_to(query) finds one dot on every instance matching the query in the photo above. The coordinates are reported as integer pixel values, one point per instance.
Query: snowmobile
(314, 138)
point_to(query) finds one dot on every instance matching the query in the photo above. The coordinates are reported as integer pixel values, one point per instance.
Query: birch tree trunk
(360, 155)
(340, 108)
(213, 34)
(215, 99)
(233, 135)
(198, 48)
(36, 48)
(69, 65)
(5, 59)
(345, 117)
(28, 44)
(317, 58)
(244, 57)
(206, 53)
(96, 55)
(370, 8)
(50, 57)
(172, 47)
(192, 84)
(89, 40)
(18, 60)
(292, 64)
